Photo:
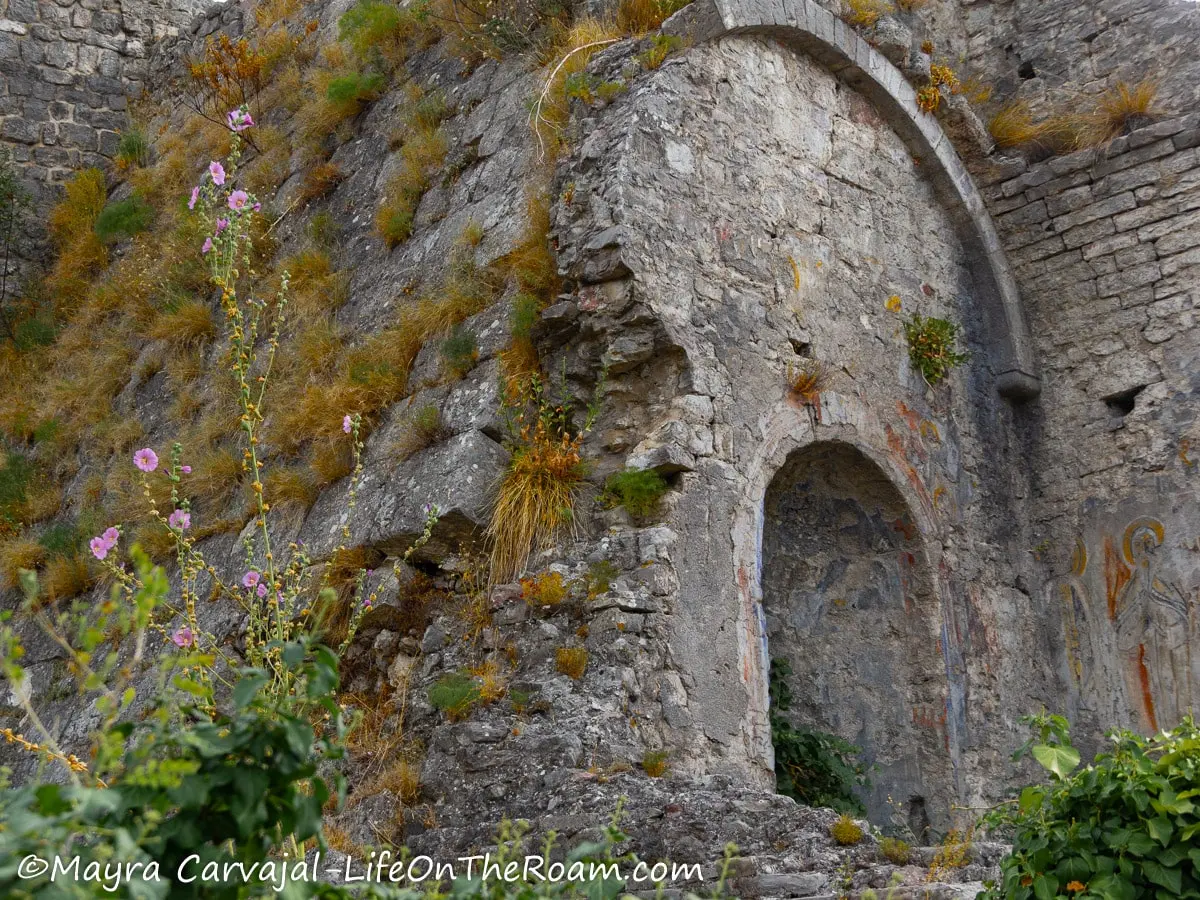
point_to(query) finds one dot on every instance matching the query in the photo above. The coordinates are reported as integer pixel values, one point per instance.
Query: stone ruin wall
(69, 68)
(706, 267)
(1106, 246)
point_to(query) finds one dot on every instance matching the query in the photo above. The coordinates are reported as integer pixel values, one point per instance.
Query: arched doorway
(849, 603)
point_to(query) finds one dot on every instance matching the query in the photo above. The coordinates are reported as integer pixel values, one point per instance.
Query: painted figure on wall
(1152, 619)
(1130, 659)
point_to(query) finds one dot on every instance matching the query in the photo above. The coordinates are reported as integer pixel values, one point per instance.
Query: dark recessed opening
(801, 348)
(1122, 404)
(1027, 71)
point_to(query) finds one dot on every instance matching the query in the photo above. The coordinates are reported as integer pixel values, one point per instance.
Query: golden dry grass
(571, 661)
(568, 56)
(19, 553)
(807, 379)
(291, 490)
(330, 461)
(867, 13)
(636, 17)
(534, 501)
(320, 180)
(341, 574)
(1120, 110)
(189, 324)
(66, 576)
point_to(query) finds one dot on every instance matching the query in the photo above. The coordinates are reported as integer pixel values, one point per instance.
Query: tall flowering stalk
(274, 587)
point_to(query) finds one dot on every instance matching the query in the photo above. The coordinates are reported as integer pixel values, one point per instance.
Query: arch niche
(849, 602)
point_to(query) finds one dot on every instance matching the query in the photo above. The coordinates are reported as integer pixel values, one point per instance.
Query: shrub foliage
(1125, 827)
(813, 767)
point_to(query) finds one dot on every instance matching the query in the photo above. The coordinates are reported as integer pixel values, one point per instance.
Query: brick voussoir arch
(814, 31)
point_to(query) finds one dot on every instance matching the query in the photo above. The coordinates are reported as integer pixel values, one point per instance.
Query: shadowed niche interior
(851, 610)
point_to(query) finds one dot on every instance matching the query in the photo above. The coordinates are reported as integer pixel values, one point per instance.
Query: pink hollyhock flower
(111, 536)
(146, 459)
(207, 246)
(183, 637)
(100, 547)
(257, 207)
(195, 197)
(238, 200)
(239, 119)
(217, 171)
(186, 470)
(251, 579)
(222, 224)
(261, 590)
(347, 424)
(181, 519)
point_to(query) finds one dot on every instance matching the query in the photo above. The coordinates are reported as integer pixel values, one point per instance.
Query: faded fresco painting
(1130, 622)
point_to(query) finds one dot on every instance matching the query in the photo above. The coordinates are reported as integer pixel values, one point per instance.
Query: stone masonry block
(1118, 282)
(1093, 211)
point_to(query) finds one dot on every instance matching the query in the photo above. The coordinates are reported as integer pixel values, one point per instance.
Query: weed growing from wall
(931, 344)
(637, 490)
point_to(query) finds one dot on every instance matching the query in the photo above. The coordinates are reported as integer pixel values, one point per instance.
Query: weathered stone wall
(1053, 52)
(1106, 247)
(757, 212)
(69, 68)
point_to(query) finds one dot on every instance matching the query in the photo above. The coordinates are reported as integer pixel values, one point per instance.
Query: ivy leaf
(1056, 759)
(1045, 887)
(1031, 798)
(1112, 887)
(1160, 829)
(1171, 879)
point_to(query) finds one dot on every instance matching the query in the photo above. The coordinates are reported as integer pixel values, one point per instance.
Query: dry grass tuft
(16, 554)
(66, 576)
(1119, 111)
(867, 13)
(291, 490)
(320, 181)
(636, 17)
(188, 324)
(571, 661)
(342, 571)
(420, 428)
(808, 379)
(535, 500)
(330, 461)
(568, 57)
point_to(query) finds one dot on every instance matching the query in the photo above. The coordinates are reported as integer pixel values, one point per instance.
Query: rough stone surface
(1113, 308)
(933, 562)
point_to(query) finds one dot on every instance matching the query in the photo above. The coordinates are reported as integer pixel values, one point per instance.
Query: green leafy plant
(931, 347)
(813, 767)
(638, 490)
(133, 149)
(354, 88)
(599, 578)
(1125, 827)
(460, 351)
(895, 850)
(455, 694)
(123, 219)
(368, 24)
(661, 46)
